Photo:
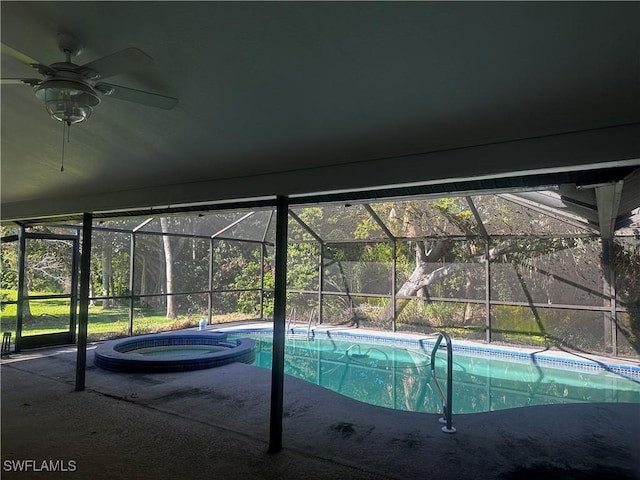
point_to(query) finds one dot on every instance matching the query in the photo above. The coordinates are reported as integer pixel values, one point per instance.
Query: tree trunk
(92, 294)
(107, 288)
(168, 260)
(413, 284)
(26, 308)
(421, 278)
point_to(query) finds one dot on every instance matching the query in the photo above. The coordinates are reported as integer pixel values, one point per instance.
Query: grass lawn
(52, 315)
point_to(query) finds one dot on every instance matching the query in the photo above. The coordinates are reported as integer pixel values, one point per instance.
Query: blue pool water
(398, 376)
(180, 350)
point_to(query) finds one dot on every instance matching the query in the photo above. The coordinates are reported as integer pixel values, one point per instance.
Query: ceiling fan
(70, 91)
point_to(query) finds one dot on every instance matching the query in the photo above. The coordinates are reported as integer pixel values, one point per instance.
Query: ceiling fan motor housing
(68, 44)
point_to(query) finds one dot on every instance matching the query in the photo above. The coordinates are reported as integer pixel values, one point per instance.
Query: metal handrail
(446, 401)
(290, 330)
(292, 317)
(312, 316)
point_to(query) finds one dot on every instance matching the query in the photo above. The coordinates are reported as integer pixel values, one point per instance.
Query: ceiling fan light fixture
(67, 101)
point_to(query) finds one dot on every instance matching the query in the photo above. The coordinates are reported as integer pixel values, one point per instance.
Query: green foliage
(364, 228)
(510, 319)
(249, 278)
(452, 208)
(9, 256)
(542, 270)
(377, 252)
(433, 314)
(236, 266)
(9, 278)
(48, 263)
(302, 266)
(627, 267)
(443, 313)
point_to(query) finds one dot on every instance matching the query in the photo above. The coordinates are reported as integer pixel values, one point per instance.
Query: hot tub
(173, 352)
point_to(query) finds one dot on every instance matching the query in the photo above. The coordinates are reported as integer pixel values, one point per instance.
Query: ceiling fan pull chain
(68, 127)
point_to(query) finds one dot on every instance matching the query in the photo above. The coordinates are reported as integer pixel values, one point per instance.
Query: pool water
(399, 377)
(178, 350)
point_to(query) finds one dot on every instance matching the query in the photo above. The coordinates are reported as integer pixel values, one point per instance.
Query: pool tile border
(119, 356)
(547, 358)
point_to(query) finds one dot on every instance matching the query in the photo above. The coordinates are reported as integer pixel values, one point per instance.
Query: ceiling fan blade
(126, 60)
(137, 96)
(26, 59)
(18, 55)
(15, 81)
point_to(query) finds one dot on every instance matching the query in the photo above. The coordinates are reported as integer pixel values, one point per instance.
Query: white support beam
(608, 199)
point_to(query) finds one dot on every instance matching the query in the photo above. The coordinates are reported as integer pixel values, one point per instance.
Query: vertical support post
(22, 254)
(608, 277)
(613, 303)
(210, 282)
(449, 428)
(487, 274)
(73, 319)
(320, 281)
(83, 318)
(279, 319)
(262, 256)
(487, 289)
(393, 283)
(132, 276)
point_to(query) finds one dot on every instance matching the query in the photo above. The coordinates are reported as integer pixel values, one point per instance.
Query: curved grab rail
(446, 401)
(361, 355)
(355, 345)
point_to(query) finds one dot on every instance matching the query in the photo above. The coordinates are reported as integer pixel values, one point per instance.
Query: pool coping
(551, 358)
(116, 355)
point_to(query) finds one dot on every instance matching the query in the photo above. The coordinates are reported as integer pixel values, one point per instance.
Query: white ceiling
(300, 97)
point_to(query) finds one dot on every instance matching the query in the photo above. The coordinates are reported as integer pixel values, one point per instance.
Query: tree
(168, 261)
(437, 220)
(421, 277)
(48, 265)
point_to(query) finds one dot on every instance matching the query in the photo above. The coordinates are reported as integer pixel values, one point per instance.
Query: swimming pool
(397, 375)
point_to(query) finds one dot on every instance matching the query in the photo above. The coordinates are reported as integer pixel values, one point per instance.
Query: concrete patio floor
(215, 424)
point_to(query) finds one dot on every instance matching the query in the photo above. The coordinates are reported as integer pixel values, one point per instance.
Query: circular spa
(173, 352)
